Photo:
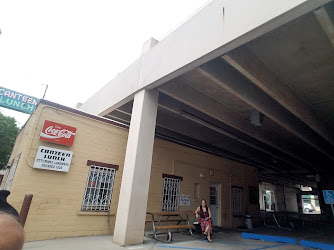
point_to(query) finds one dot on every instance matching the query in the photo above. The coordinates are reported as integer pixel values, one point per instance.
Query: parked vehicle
(308, 207)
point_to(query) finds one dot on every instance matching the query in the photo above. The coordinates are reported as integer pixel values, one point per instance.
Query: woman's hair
(5, 207)
(201, 209)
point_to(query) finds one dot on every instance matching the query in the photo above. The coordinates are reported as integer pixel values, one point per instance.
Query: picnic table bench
(164, 218)
(283, 219)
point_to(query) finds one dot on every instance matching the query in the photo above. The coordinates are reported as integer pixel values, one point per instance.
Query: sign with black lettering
(53, 159)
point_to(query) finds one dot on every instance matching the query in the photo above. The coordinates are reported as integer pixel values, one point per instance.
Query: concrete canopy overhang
(275, 57)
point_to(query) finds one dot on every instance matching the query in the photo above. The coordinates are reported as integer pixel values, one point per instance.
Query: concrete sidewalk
(231, 240)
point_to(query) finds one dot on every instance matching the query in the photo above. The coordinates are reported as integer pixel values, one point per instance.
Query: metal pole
(25, 208)
(46, 88)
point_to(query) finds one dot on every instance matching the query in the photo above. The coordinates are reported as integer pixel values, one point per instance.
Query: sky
(77, 46)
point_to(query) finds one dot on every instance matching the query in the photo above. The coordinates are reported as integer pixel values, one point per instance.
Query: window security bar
(99, 189)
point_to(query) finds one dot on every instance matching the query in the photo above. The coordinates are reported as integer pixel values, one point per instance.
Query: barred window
(170, 194)
(237, 201)
(99, 188)
(1, 178)
(11, 171)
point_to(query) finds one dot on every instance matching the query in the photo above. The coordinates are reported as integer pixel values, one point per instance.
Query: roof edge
(82, 113)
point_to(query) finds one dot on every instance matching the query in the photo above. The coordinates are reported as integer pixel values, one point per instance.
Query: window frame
(11, 172)
(171, 196)
(237, 205)
(101, 205)
(1, 178)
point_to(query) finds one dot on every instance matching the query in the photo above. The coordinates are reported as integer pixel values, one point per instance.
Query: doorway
(268, 200)
(215, 203)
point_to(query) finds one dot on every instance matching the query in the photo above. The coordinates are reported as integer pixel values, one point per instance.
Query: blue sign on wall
(17, 101)
(328, 196)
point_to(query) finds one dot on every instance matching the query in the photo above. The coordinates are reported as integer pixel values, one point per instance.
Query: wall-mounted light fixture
(256, 118)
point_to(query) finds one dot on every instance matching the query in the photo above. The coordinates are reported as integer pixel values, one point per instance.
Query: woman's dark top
(202, 213)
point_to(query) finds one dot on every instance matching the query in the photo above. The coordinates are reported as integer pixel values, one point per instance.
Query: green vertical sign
(16, 101)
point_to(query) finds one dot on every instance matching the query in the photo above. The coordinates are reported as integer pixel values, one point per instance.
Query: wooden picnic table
(161, 218)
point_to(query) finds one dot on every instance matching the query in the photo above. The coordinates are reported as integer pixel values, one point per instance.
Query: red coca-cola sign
(58, 133)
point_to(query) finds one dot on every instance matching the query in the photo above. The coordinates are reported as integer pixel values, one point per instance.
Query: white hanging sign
(53, 159)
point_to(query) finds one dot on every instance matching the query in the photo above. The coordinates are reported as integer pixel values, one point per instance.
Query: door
(268, 200)
(214, 203)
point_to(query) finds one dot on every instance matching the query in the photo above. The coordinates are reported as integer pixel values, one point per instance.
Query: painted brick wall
(55, 210)
(169, 158)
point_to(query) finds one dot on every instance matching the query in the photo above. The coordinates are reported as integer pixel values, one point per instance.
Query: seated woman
(205, 219)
